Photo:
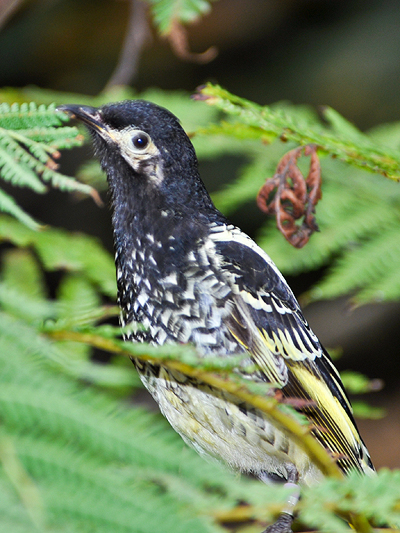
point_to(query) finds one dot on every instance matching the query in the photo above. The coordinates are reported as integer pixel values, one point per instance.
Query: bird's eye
(140, 140)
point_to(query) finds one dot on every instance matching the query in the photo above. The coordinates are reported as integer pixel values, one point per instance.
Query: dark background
(341, 53)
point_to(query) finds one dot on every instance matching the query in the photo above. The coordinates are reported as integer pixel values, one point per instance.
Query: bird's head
(144, 151)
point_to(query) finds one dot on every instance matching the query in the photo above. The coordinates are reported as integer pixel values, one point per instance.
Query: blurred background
(341, 53)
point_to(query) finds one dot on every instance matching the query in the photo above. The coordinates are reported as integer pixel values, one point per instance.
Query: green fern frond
(385, 251)
(345, 219)
(8, 205)
(60, 250)
(166, 13)
(59, 138)
(97, 465)
(28, 116)
(21, 271)
(30, 137)
(277, 122)
(249, 181)
(245, 189)
(17, 166)
(23, 295)
(357, 210)
(376, 497)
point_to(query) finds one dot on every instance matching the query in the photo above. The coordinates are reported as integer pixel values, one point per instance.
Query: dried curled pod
(292, 197)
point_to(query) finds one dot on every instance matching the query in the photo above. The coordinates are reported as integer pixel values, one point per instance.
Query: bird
(187, 275)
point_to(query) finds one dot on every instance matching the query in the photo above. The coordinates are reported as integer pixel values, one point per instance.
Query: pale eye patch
(136, 145)
(139, 151)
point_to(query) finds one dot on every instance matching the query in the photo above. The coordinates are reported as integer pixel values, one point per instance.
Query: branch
(355, 147)
(232, 385)
(7, 9)
(137, 35)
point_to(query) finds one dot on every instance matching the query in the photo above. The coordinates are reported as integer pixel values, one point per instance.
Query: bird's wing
(266, 319)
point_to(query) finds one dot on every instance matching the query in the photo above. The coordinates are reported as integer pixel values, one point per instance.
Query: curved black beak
(90, 116)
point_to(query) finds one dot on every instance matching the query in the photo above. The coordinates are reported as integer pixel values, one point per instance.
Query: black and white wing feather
(267, 321)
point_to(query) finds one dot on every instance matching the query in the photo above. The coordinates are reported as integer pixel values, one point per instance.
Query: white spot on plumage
(189, 292)
(137, 278)
(204, 338)
(185, 310)
(142, 298)
(161, 336)
(168, 297)
(191, 257)
(214, 320)
(147, 283)
(184, 332)
(202, 257)
(230, 233)
(222, 291)
(256, 303)
(165, 316)
(280, 309)
(171, 279)
(150, 309)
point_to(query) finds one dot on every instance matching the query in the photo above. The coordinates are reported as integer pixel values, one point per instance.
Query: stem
(268, 405)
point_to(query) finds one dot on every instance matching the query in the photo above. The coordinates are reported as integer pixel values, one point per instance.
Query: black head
(146, 154)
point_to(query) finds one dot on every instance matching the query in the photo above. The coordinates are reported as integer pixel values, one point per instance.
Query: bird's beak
(90, 116)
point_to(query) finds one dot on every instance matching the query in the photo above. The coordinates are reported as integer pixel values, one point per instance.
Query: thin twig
(7, 8)
(268, 405)
(24, 485)
(137, 35)
(179, 41)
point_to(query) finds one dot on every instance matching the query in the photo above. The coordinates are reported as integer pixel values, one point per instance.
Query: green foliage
(30, 138)
(338, 138)
(73, 457)
(88, 277)
(95, 464)
(75, 454)
(167, 13)
(356, 383)
(376, 498)
(359, 212)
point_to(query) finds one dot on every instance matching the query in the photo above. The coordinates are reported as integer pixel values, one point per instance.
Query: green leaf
(363, 410)
(27, 116)
(168, 12)
(357, 150)
(374, 497)
(9, 206)
(357, 383)
(99, 465)
(60, 250)
(29, 143)
(356, 270)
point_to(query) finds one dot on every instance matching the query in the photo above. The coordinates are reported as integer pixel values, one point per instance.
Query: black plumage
(188, 275)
